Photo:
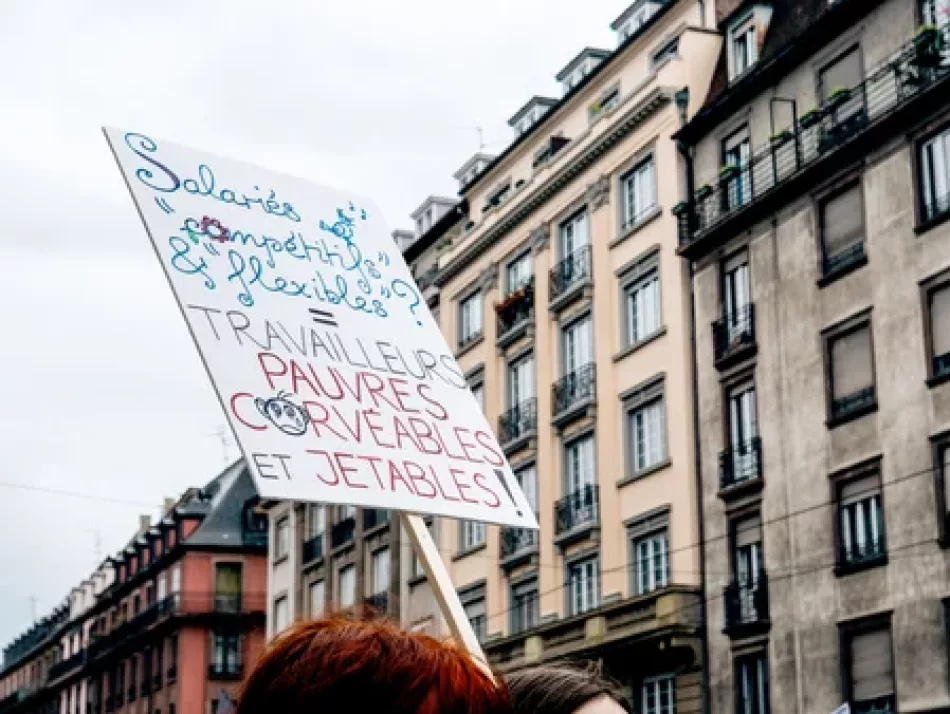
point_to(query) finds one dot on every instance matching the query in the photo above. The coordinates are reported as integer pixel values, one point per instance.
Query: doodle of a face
(284, 414)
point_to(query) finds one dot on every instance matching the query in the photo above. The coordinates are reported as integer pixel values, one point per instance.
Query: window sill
(937, 380)
(416, 580)
(470, 345)
(649, 471)
(843, 569)
(925, 226)
(837, 421)
(469, 551)
(647, 218)
(829, 278)
(629, 350)
(281, 559)
(376, 530)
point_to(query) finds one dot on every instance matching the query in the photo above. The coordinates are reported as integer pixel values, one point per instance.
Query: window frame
(840, 479)
(585, 316)
(826, 276)
(744, 25)
(572, 219)
(311, 586)
(759, 654)
(847, 631)
(634, 401)
(524, 256)
(466, 339)
(582, 559)
(512, 367)
(523, 588)
(938, 444)
(348, 568)
(281, 600)
(641, 528)
(464, 546)
(669, 678)
(281, 550)
(928, 287)
(631, 277)
(475, 594)
(628, 223)
(848, 326)
(566, 446)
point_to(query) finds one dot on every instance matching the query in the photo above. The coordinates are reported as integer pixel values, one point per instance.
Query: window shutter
(872, 669)
(845, 73)
(851, 363)
(748, 531)
(842, 221)
(940, 320)
(860, 489)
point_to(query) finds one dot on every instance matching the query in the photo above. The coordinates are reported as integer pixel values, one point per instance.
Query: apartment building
(567, 234)
(819, 246)
(166, 625)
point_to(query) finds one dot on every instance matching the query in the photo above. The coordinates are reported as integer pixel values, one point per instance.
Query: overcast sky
(102, 391)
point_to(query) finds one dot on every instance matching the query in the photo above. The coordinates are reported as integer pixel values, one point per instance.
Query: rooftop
(535, 101)
(586, 53)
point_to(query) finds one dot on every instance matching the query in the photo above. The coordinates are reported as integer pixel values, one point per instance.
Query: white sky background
(102, 390)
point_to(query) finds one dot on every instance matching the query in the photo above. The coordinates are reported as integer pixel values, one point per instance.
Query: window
(658, 695)
(470, 318)
(869, 665)
(524, 606)
(647, 435)
(861, 521)
(642, 303)
(584, 580)
(318, 598)
(345, 512)
(380, 571)
(573, 234)
(935, 12)
(852, 373)
(742, 463)
(836, 82)
(417, 571)
(842, 231)
(226, 653)
(281, 614)
(666, 52)
(518, 273)
(475, 612)
(638, 191)
(737, 154)
(743, 46)
(579, 462)
(316, 521)
(347, 596)
(651, 552)
(172, 658)
(576, 346)
(471, 535)
(736, 293)
(528, 480)
(935, 175)
(752, 684)
(282, 539)
(609, 101)
(521, 381)
(227, 587)
(133, 670)
(478, 391)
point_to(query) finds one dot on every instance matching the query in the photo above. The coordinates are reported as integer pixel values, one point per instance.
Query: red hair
(340, 666)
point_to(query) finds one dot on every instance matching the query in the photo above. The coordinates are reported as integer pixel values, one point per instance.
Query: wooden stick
(443, 588)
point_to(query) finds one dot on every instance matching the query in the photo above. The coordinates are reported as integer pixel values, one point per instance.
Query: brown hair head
(340, 666)
(560, 689)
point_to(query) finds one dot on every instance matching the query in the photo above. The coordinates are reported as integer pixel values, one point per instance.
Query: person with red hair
(342, 666)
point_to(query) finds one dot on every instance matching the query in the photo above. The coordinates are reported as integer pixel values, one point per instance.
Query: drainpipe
(682, 102)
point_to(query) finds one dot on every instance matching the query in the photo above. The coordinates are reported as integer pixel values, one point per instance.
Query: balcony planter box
(928, 46)
(704, 192)
(810, 119)
(727, 173)
(782, 138)
(680, 209)
(838, 97)
(521, 294)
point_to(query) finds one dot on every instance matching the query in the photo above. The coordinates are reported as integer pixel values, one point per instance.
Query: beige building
(562, 293)
(821, 253)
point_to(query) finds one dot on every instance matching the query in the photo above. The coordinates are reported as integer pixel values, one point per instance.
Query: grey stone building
(819, 246)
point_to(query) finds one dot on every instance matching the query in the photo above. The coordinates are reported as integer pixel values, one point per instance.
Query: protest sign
(332, 372)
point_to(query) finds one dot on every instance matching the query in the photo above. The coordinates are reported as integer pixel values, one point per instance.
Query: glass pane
(842, 221)
(940, 320)
(851, 363)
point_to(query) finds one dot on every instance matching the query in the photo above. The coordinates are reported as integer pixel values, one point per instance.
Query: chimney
(145, 522)
(168, 506)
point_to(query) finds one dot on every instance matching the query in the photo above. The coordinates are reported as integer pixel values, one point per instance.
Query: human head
(336, 665)
(564, 689)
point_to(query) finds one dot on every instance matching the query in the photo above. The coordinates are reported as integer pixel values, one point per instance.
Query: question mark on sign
(404, 290)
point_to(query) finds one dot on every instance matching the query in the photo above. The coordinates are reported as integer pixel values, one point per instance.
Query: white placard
(335, 378)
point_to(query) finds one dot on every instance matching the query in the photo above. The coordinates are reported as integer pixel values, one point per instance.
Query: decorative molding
(598, 193)
(540, 238)
(488, 279)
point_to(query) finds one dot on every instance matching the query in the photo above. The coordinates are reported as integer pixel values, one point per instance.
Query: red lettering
(347, 470)
(234, 411)
(461, 431)
(479, 480)
(427, 443)
(396, 475)
(376, 389)
(485, 440)
(416, 474)
(357, 423)
(441, 415)
(318, 420)
(297, 375)
(445, 446)
(341, 383)
(270, 371)
(462, 487)
(374, 462)
(438, 483)
(402, 432)
(375, 428)
(400, 392)
(336, 478)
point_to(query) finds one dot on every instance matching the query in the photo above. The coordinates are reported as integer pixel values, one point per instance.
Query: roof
(441, 227)
(479, 156)
(536, 100)
(580, 57)
(513, 146)
(637, 4)
(226, 498)
(429, 201)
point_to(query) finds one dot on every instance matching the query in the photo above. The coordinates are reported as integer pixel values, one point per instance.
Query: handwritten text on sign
(335, 378)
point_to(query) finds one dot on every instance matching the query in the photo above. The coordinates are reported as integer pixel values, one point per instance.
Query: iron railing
(515, 541)
(941, 366)
(378, 603)
(935, 206)
(343, 532)
(871, 551)
(630, 222)
(225, 670)
(313, 548)
(517, 308)
(524, 614)
(574, 388)
(373, 517)
(844, 115)
(885, 704)
(68, 665)
(227, 602)
(572, 270)
(740, 463)
(427, 278)
(466, 340)
(518, 422)
(734, 333)
(747, 603)
(843, 259)
(843, 407)
(576, 510)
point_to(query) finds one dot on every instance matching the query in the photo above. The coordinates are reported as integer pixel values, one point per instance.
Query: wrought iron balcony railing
(844, 260)
(227, 602)
(734, 335)
(747, 604)
(577, 510)
(854, 555)
(518, 422)
(572, 389)
(571, 271)
(885, 704)
(941, 366)
(740, 463)
(313, 548)
(515, 541)
(225, 670)
(378, 603)
(846, 114)
(516, 309)
(343, 532)
(373, 517)
(851, 404)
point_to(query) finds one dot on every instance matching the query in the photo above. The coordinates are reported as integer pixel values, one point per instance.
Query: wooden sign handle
(443, 588)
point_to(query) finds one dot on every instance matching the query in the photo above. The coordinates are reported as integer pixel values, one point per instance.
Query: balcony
(171, 674)
(740, 468)
(577, 515)
(226, 671)
(518, 426)
(573, 394)
(313, 549)
(515, 315)
(734, 337)
(228, 603)
(886, 704)
(852, 406)
(378, 603)
(747, 607)
(855, 557)
(375, 517)
(570, 277)
(517, 547)
(67, 665)
(846, 126)
(343, 532)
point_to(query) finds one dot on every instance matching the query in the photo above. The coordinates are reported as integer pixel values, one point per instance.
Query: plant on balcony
(704, 192)
(782, 138)
(521, 293)
(810, 118)
(680, 209)
(728, 172)
(928, 45)
(838, 96)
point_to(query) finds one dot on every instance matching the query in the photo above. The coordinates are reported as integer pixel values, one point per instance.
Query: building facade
(567, 235)
(167, 626)
(820, 255)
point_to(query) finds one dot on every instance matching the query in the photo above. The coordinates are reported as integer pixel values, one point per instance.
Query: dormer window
(743, 45)
(634, 18)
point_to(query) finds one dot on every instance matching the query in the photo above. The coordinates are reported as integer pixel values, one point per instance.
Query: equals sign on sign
(322, 317)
